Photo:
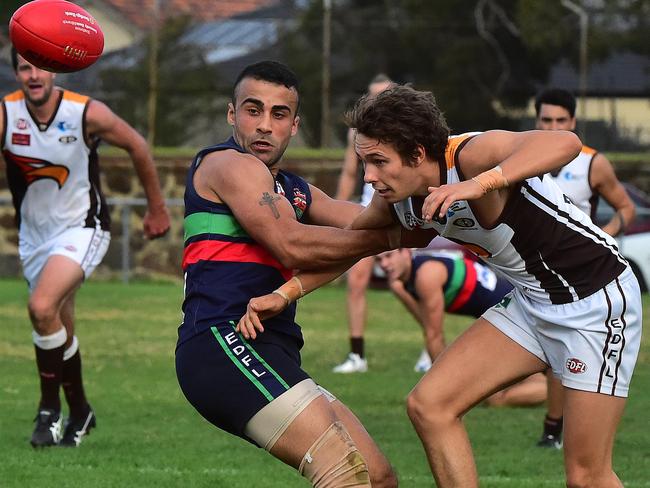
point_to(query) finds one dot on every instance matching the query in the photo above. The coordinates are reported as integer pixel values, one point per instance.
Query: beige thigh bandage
(269, 424)
(334, 461)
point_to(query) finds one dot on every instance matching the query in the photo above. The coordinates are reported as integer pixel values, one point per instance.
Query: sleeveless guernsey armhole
(4, 127)
(594, 153)
(453, 153)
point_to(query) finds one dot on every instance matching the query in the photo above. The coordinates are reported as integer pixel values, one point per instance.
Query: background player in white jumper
(576, 304)
(358, 276)
(589, 176)
(49, 143)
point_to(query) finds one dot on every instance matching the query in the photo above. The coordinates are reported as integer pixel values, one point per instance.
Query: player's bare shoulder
(99, 118)
(473, 150)
(224, 173)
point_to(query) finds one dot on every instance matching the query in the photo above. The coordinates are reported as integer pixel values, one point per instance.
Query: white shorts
(85, 246)
(591, 344)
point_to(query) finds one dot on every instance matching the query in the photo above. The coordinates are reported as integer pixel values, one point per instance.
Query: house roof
(223, 40)
(621, 74)
(140, 12)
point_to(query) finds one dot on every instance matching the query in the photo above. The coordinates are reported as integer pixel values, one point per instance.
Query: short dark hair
(14, 58)
(556, 96)
(403, 117)
(271, 71)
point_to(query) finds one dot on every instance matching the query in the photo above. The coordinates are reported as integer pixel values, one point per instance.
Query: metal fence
(126, 204)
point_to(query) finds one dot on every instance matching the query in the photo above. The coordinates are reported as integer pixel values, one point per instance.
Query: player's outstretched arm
(103, 123)
(328, 211)
(429, 284)
(264, 307)
(245, 184)
(410, 303)
(267, 306)
(496, 159)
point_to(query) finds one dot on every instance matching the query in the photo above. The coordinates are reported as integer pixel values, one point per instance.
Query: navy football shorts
(228, 379)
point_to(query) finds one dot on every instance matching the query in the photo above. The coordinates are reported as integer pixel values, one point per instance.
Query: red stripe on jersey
(232, 252)
(468, 287)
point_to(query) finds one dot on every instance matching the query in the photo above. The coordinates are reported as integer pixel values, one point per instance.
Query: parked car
(635, 243)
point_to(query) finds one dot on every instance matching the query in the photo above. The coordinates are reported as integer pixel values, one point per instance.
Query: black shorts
(228, 379)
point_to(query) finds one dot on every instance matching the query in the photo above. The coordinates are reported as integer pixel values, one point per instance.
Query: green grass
(149, 436)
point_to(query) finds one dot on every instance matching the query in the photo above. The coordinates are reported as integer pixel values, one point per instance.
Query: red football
(56, 35)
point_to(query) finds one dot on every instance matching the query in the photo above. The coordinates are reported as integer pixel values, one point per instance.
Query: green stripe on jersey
(241, 367)
(209, 223)
(455, 281)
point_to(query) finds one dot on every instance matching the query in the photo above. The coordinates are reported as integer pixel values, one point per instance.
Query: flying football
(56, 35)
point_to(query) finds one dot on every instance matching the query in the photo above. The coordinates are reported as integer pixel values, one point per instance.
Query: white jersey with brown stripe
(50, 168)
(541, 243)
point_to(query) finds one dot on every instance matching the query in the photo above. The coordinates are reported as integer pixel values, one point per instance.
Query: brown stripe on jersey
(620, 354)
(97, 209)
(593, 199)
(593, 204)
(586, 229)
(607, 339)
(43, 126)
(551, 249)
(17, 184)
(4, 128)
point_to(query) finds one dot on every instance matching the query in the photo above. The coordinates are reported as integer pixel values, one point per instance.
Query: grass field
(149, 436)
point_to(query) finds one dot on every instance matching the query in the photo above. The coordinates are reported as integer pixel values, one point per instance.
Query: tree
(187, 86)
(434, 45)
(477, 56)
(7, 9)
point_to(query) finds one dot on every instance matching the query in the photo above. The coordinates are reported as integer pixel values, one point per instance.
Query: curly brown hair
(403, 117)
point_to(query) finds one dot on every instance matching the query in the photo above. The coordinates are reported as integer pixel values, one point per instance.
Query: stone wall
(161, 258)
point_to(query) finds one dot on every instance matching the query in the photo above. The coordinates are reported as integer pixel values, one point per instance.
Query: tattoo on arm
(269, 200)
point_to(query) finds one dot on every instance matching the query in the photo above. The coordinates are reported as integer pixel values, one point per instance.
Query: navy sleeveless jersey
(223, 266)
(471, 287)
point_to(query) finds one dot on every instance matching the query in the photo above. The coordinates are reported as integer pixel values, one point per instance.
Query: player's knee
(334, 460)
(383, 476)
(425, 411)
(578, 478)
(358, 281)
(583, 476)
(42, 312)
(416, 409)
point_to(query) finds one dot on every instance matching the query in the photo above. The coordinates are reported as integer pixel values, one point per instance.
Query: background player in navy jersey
(49, 143)
(575, 306)
(358, 276)
(432, 283)
(584, 180)
(245, 231)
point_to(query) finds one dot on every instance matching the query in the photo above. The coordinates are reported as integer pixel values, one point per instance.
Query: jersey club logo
(299, 202)
(37, 169)
(576, 366)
